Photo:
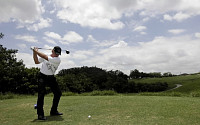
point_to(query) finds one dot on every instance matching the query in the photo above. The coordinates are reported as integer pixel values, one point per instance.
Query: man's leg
(57, 94)
(41, 93)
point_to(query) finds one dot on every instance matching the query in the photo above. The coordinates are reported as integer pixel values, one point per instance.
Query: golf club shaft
(45, 48)
(51, 49)
(67, 51)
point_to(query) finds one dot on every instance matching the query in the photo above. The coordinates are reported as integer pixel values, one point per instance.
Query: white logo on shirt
(51, 67)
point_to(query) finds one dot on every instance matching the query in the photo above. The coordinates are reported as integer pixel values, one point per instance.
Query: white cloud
(27, 59)
(176, 31)
(143, 33)
(84, 54)
(92, 13)
(180, 7)
(49, 40)
(53, 35)
(72, 37)
(43, 23)
(104, 43)
(178, 17)
(25, 11)
(107, 14)
(140, 28)
(120, 44)
(27, 38)
(197, 35)
(92, 39)
(145, 19)
(167, 17)
(181, 16)
(66, 63)
(176, 54)
(69, 37)
(22, 46)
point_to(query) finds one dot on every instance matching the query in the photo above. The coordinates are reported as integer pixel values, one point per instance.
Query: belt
(46, 75)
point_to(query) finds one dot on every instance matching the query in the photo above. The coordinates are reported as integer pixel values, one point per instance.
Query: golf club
(67, 51)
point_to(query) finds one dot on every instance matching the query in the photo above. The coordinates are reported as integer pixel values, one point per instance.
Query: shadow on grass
(50, 118)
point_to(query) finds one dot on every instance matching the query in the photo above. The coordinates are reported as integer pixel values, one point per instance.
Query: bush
(195, 93)
(69, 94)
(93, 93)
(6, 96)
(100, 93)
(150, 87)
(175, 94)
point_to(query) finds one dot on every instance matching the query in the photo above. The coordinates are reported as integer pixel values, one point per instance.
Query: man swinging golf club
(46, 77)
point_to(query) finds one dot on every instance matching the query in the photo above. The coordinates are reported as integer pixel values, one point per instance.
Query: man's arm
(35, 57)
(42, 55)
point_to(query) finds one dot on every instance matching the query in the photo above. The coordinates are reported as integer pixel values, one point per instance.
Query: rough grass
(104, 110)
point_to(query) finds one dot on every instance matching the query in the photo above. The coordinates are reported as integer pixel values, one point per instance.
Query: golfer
(46, 77)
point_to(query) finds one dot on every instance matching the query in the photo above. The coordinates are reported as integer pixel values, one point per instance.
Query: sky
(148, 35)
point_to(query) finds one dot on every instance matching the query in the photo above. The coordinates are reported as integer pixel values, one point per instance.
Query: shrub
(175, 94)
(6, 96)
(151, 87)
(69, 94)
(100, 93)
(195, 93)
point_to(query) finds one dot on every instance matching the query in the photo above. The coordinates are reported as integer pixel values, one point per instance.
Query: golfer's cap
(57, 50)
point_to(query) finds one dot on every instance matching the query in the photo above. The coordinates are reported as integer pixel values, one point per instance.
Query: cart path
(177, 86)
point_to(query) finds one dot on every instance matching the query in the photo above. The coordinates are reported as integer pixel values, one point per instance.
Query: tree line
(16, 78)
(136, 74)
(87, 79)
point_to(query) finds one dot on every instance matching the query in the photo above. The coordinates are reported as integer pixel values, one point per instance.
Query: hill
(190, 83)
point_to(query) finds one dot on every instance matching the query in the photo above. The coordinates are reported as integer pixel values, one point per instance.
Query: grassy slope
(117, 110)
(190, 82)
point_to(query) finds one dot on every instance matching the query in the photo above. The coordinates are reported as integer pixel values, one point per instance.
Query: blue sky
(148, 35)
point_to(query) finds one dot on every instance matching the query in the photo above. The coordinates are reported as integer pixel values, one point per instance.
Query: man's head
(57, 50)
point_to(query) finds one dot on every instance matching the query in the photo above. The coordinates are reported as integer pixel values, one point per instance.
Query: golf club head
(67, 52)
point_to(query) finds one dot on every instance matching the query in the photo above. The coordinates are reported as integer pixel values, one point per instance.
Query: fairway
(105, 110)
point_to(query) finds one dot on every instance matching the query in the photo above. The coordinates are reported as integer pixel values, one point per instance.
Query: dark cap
(57, 50)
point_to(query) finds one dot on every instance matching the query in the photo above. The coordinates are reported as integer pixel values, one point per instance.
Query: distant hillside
(189, 83)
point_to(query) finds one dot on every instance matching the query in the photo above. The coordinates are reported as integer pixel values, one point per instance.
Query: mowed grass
(105, 110)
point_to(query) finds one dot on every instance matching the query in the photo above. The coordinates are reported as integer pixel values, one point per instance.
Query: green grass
(175, 107)
(105, 110)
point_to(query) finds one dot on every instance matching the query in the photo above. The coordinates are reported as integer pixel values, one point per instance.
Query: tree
(135, 74)
(12, 71)
(29, 85)
(1, 35)
(86, 79)
(167, 74)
